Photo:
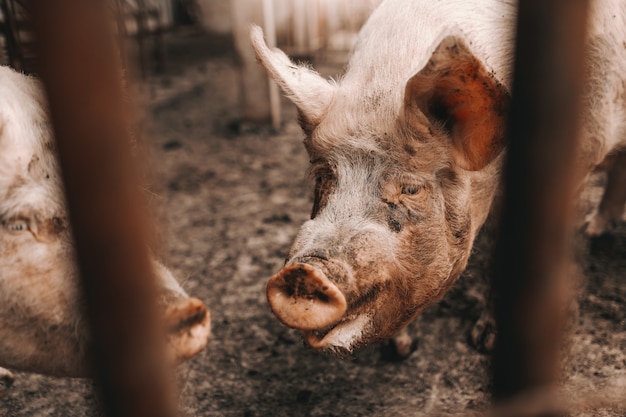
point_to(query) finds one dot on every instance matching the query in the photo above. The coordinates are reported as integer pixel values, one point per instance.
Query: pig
(611, 208)
(42, 328)
(406, 150)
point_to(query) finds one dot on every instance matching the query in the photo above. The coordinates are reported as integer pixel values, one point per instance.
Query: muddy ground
(230, 204)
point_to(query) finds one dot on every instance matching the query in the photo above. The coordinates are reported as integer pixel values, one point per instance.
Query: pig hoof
(397, 350)
(599, 225)
(6, 379)
(483, 334)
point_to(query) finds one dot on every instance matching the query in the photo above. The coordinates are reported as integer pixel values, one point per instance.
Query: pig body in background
(406, 150)
(42, 328)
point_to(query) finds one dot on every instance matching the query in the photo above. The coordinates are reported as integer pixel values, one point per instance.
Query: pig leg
(399, 347)
(611, 207)
(483, 334)
(6, 379)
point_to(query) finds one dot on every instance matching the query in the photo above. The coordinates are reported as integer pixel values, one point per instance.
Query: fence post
(534, 247)
(83, 80)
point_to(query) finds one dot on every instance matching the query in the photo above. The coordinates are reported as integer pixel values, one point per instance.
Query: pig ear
(309, 92)
(456, 92)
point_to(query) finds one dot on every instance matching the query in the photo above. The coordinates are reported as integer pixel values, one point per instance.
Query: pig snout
(302, 297)
(188, 324)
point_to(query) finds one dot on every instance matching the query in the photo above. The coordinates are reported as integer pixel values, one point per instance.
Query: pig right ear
(455, 92)
(309, 92)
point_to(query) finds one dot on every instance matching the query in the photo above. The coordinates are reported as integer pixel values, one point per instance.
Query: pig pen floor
(230, 204)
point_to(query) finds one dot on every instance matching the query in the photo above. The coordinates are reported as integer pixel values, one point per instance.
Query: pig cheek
(42, 276)
(40, 322)
(371, 256)
(399, 306)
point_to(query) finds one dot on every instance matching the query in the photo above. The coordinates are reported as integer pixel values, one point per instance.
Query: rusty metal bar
(270, 28)
(83, 79)
(540, 175)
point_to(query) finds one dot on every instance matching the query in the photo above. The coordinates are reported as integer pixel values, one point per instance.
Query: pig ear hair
(456, 92)
(309, 92)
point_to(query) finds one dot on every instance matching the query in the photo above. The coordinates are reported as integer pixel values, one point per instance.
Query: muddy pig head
(403, 181)
(42, 328)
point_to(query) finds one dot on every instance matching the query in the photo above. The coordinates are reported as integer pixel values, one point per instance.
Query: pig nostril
(321, 296)
(302, 297)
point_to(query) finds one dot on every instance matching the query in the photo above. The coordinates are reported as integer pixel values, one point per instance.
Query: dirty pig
(406, 150)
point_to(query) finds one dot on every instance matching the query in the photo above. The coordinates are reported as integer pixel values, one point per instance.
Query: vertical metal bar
(83, 79)
(299, 27)
(270, 29)
(535, 235)
(12, 37)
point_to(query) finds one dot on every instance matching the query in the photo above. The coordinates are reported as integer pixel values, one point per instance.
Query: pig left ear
(455, 92)
(309, 92)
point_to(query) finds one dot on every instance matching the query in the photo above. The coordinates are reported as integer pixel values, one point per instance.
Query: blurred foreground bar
(83, 78)
(534, 248)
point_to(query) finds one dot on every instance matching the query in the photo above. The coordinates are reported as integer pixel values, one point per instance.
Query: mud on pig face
(399, 194)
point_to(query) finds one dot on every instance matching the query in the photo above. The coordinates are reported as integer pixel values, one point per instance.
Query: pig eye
(16, 225)
(411, 189)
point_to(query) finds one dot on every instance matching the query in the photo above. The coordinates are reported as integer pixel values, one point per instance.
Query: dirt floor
(230, 204)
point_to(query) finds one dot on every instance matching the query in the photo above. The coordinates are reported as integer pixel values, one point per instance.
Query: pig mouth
(344, 336)
(303, 297)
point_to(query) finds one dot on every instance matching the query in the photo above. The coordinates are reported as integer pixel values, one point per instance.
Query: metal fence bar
(535, 235)
(83, 79)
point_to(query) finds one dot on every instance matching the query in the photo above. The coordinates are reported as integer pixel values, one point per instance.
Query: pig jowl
(406, 149)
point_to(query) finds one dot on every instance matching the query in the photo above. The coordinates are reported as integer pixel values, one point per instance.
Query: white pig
(406, 150)
(41, 324)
